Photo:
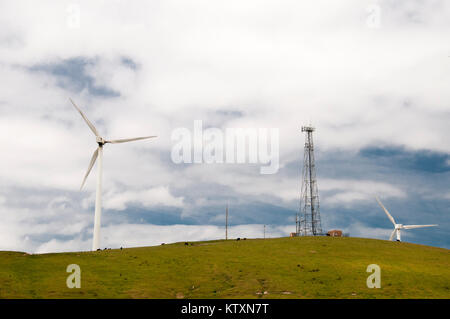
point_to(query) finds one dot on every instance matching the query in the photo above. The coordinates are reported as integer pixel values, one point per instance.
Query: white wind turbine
(399, 227)
(99, 153)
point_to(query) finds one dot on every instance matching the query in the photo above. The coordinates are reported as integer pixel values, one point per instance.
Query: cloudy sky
(372, 76)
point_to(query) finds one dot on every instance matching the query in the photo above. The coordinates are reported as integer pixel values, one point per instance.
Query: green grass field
(319, 267)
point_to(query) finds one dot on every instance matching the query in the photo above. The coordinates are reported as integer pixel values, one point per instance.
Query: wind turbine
(399, 227)
(98, 153)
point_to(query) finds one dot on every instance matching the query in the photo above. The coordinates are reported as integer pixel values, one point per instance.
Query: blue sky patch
(71, 75)
(423, 160)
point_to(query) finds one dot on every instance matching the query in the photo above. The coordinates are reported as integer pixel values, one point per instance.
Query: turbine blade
(386, 211)
(91, 126)
(129, 139)
(93, 159)
(416, 226)
(392, 235)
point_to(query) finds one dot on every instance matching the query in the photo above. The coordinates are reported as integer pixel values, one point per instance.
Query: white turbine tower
(99, 153)
(399, 227)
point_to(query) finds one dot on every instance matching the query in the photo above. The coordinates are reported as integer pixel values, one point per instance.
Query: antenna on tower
(307, 221)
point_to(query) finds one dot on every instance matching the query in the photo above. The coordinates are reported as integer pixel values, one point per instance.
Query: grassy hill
(320, 267)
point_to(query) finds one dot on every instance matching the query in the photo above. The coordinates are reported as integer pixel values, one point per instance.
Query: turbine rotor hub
(100, 141)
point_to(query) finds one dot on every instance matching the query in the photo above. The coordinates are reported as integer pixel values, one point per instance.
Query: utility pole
(264, 231)
(226, 224)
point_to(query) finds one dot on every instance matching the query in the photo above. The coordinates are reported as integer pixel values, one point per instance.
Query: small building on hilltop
(335, 233)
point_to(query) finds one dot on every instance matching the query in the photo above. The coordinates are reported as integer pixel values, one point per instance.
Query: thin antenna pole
(264, 231)
(226, 224)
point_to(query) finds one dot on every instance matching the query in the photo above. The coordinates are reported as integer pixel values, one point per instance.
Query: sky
(371, 76)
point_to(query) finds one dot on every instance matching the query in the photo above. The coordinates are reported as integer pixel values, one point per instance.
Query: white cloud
(55, 245)
(360, 230)
(145, 198)
(349, 191)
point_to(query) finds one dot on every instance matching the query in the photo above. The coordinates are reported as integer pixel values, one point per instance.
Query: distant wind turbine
(99, 153)
(399, 227)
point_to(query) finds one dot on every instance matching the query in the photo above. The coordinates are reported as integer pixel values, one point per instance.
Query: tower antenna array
(308, 217)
